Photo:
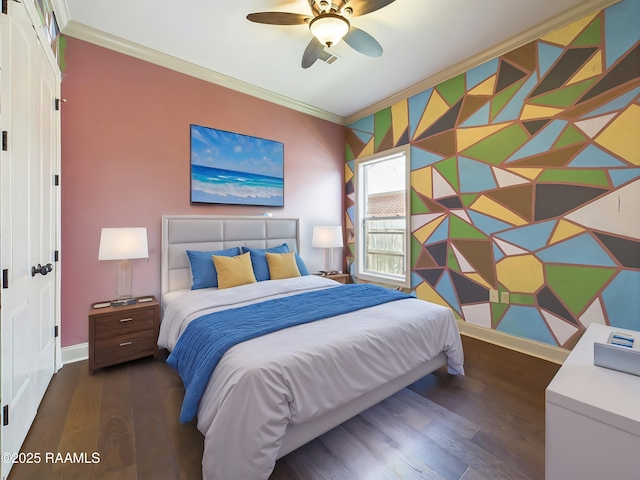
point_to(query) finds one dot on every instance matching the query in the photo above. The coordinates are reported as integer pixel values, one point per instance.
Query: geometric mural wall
(525, 177)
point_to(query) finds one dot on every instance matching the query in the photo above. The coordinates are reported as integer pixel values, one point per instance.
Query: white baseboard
(75, 353)
(522, 345)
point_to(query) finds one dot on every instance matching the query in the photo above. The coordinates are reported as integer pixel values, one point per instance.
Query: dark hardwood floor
(486, 425)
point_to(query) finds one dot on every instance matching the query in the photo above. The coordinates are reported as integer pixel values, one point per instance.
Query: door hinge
(5, 7)
(55, 331)
(5, 415)
(59, 101)
(4, 140)
(56, 255)
(56, 180)
(5, 278)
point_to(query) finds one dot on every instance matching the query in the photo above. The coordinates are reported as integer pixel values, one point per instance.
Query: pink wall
(125, 162)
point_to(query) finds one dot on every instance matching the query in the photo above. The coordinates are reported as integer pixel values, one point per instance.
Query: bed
(272, 394)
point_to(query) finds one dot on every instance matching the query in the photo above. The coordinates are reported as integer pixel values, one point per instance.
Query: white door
(28, 222)
(42, 218)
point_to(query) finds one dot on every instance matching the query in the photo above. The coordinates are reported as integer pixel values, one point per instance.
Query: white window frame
(360, 273)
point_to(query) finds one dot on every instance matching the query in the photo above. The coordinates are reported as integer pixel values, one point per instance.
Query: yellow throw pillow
(282, 265)
(234, 271)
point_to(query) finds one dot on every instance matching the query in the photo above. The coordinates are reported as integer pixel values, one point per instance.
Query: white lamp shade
(123, 244)
(327, 237)
(329, 28)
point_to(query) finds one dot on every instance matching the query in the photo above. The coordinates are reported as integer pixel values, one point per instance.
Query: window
(382, 215)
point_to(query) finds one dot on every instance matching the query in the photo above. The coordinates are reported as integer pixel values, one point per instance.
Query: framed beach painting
(235, 169)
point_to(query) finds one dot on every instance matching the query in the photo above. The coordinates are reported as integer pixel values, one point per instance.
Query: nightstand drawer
(123, 323)
(124, 347)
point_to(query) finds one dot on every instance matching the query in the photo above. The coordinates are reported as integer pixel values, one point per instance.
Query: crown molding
(534, 33)
(62, 12)
(98, 37)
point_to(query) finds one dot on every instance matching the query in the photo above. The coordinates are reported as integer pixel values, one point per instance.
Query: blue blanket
(207, 338)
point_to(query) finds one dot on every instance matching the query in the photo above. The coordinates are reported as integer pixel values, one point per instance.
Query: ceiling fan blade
(362, 42)
(279, 18)
(312, 53)
(362, 7)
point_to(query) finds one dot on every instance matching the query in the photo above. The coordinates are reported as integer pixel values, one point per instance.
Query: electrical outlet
(493, 296)
(505, 297)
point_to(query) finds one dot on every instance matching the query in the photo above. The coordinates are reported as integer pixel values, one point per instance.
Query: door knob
(41, 269)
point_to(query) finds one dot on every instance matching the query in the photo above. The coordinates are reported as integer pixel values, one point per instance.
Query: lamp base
(123, 303)
(328, 267)
(124, 280)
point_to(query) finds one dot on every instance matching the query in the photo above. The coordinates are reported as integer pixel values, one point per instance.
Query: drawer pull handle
(126, 319)
(125, 344)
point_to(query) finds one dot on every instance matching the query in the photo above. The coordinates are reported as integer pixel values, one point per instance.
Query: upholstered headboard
(207, 232)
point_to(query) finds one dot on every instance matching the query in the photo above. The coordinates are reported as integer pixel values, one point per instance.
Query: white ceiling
(420, 38)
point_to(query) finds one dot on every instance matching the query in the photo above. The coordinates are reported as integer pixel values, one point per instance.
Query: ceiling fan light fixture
(329, 28)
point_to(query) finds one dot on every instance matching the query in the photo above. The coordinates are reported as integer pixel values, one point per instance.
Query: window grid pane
(385, 242)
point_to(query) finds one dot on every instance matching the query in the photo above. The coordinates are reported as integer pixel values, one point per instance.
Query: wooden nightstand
(338, 277)
(120, 334)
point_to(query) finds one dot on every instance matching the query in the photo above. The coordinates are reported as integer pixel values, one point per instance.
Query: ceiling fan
(329, 24)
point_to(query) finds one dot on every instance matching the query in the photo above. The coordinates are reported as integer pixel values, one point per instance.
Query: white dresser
(592, 417)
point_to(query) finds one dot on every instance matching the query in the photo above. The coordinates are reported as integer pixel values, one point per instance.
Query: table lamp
(123, 244)
(327, 237)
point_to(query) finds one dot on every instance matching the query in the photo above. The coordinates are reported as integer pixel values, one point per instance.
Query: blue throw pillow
(259, 260)
(301, 266)
(202, 268)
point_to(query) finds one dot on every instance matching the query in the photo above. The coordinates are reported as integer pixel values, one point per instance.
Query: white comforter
(300, 373)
